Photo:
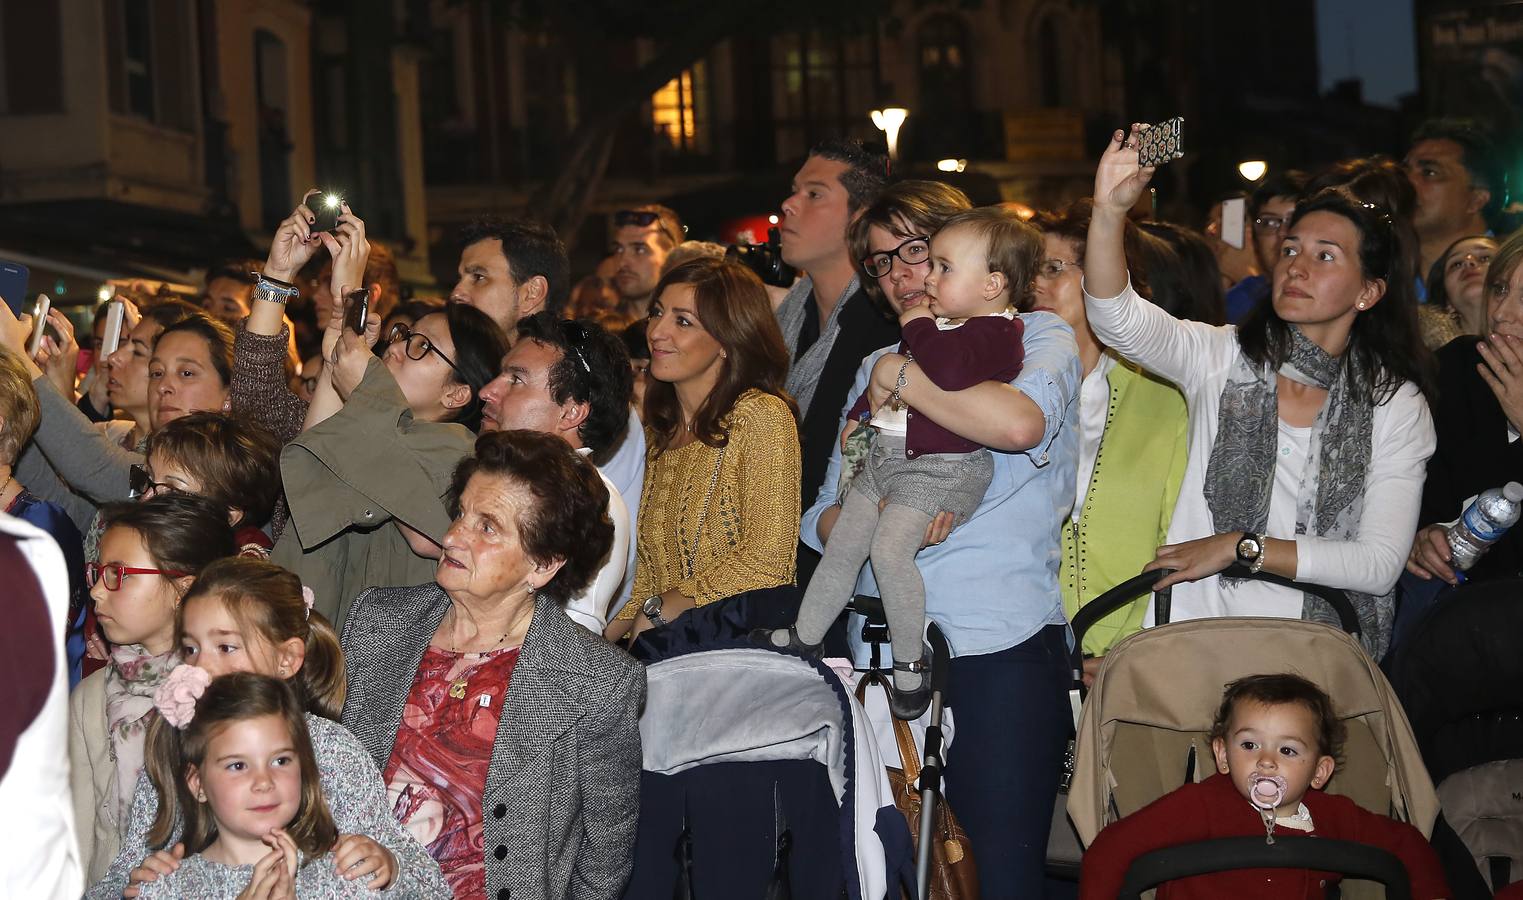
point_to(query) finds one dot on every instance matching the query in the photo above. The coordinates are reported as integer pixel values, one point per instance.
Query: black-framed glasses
(912, 252)
(113, 573)
(140, 484)
(417, 345)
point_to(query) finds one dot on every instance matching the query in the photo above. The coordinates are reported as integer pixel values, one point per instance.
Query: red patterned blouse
(438, 768)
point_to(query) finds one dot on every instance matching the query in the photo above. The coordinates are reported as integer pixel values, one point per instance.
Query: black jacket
(1473, 453)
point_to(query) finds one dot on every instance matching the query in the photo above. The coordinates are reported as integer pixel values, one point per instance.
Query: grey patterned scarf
(804, 374)
(1240, 474)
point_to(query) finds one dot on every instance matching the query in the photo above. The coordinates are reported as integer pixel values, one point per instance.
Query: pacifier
(1267, 792)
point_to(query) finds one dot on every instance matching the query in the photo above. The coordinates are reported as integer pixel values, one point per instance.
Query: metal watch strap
(1258, 563)
(274, 290)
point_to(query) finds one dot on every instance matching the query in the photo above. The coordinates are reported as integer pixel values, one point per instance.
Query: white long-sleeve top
(1198, 358)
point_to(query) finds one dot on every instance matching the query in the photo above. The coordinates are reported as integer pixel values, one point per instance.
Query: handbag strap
(909, 757)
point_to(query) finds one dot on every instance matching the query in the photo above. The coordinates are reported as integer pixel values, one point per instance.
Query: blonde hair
(18, 405)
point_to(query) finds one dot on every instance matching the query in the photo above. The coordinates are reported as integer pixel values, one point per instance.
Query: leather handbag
(953, 875)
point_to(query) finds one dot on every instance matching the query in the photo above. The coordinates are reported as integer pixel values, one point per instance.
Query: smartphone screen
(1234, 214)
(13, 279)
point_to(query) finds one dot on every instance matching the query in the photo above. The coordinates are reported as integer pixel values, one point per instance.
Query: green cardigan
(1138, 471)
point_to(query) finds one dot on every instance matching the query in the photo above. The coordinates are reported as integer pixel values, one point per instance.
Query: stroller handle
(1287, 852)
(1348, 619)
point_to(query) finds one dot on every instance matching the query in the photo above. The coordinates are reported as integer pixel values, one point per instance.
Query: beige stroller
(1144, 727)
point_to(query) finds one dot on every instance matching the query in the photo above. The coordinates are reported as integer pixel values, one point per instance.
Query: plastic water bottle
(1483, 523)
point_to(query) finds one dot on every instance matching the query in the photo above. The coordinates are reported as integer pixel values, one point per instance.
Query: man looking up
(511, 269)
(642, 239)
(1460, 183)
(828, 322)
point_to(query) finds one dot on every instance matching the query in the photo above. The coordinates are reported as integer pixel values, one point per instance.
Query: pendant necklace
(457, 686)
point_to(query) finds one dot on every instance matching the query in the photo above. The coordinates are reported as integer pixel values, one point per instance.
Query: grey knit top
(356, 797)
(198, 878)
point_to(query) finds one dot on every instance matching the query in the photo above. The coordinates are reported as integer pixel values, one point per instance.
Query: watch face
(1248, 548)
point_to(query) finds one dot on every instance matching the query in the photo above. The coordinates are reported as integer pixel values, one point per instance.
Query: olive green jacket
(350, 479)
(1138, 471)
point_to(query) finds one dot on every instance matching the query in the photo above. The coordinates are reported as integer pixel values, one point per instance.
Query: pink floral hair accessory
(176, 697)
(308, 598)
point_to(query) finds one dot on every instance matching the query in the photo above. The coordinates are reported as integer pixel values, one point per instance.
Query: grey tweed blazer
(562, 796)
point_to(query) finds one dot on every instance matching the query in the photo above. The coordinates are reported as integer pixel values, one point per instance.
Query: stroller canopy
(1149, 715)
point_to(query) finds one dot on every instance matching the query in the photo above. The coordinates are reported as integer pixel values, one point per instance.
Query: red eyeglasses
(112, 574)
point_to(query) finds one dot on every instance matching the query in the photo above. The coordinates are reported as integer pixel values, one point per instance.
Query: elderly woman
(508, 736)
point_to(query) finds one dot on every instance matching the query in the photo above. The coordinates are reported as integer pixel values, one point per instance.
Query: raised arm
(1119, 183)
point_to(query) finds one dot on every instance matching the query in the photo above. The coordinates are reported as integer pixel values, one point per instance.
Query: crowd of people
(358, 602)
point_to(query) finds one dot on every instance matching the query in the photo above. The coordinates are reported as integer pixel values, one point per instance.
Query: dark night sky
(1373, 40)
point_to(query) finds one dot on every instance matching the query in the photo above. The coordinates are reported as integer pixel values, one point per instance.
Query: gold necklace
(457, 687)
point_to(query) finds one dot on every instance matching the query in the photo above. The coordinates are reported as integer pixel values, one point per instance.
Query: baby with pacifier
(1275, 741)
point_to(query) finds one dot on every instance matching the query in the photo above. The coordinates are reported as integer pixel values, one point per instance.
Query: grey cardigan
(562, 797)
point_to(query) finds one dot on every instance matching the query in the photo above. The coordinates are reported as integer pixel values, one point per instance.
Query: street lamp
(1252, 169)
(889, 120)
(951, 165)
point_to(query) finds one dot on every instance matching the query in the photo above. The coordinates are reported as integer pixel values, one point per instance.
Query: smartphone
(116, 312)
(328, 207)
(357, 311)
(1234, 215)
(1161, 143)
(39, 323)
(13, 278)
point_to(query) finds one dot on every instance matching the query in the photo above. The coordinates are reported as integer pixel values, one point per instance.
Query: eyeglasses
(1479, 260)
(1052, 268)
(1268, 224)
(644, 218)
(112, 574)
(140, 483)
(912, 252)
(417, 345)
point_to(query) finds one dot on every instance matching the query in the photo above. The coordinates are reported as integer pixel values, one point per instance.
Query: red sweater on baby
(1214, 809)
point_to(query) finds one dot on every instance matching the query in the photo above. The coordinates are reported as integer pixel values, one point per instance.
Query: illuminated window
(677, 111)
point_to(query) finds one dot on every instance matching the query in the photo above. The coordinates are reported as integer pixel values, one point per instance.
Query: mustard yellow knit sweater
(749, 538)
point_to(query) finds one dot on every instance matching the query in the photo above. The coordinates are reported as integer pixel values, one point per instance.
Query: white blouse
(1198, 358)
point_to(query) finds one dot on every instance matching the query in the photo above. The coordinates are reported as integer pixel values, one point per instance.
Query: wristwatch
(652, 610)
(1250, 551)
(274, 290)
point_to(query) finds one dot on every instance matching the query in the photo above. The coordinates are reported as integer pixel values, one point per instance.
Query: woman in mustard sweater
(720, 511)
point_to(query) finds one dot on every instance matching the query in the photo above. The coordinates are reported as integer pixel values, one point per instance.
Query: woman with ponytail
(247, 615)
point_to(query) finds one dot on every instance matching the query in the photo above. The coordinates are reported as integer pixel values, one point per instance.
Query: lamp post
(1252, 169)
(889, 120)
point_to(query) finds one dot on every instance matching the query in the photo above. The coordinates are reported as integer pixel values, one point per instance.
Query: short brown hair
(668, 223)
(18, 405)
(1279, 689)
(566, 517)
(171, 752)
(924, 206)
(237, 462)
(1012, 246)
(266, 600)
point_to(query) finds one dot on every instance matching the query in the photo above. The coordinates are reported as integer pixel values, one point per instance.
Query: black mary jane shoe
(763, 636)
(911, 705)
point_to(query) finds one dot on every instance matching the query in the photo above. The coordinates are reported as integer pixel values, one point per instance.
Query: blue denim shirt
(994, 582)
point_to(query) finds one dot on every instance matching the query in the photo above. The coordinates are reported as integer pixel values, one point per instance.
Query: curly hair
(566, 516)
(1275, 690)
(593, 369)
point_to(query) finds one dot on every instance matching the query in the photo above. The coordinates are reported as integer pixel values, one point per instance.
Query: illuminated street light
(1252, 169)
(889, 120)
(952, 165)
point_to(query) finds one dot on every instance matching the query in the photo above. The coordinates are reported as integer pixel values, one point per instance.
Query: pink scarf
(132, 676)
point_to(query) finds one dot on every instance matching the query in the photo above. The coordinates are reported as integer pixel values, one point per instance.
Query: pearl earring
(1359, 306)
